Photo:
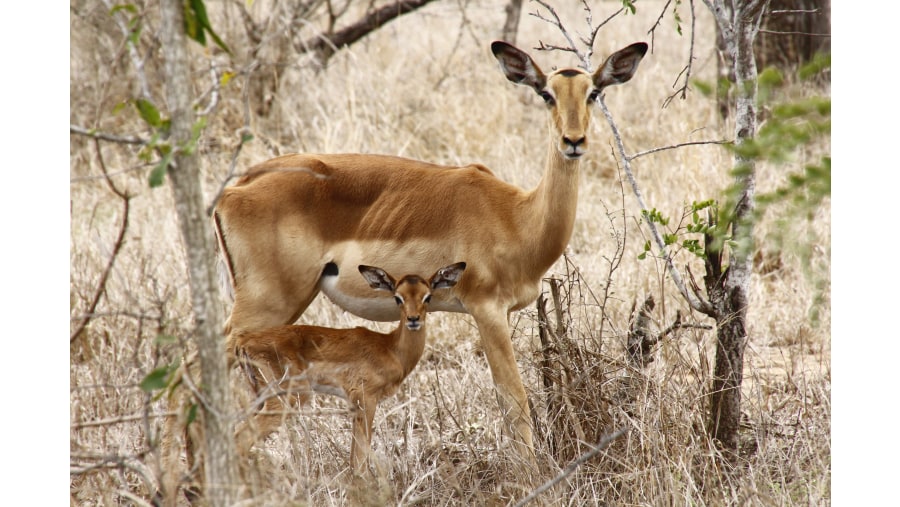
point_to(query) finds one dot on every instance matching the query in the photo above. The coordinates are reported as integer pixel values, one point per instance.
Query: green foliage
(196, 24)
(149, 113)
(629, 6)
(134, 22)
(684, 234)
(160, 379)
(677, 17)
(818, 65)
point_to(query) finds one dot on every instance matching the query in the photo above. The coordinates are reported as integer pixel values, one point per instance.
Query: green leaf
(770, 77)
(226, 78)
(119, 107)
(164, 339)
(148, 112)
(124, 7)
(197, 24)
(154, 380)
(192, 414)
(191, 26)
(703, 87)
(819, 63)
(158, 174)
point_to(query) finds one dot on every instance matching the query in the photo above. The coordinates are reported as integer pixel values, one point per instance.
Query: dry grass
(427, 87)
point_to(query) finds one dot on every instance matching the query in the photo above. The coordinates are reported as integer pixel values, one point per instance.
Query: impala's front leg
(363, 419)
(493, 324)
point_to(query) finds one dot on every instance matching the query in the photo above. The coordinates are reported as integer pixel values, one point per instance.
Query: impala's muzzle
(413, 323)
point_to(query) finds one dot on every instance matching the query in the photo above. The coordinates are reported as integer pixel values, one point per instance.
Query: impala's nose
(574, 148)
(413, 323)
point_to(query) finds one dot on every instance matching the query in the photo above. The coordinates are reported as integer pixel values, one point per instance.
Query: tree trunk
(184, 173)
(728, 291)
(511, 26)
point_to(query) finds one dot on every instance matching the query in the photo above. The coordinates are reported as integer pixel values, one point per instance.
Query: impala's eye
(547, 97)
(427, 299)
(594, 96)
(399, 300)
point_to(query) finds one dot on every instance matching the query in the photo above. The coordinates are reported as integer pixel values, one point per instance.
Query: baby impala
(359, 365)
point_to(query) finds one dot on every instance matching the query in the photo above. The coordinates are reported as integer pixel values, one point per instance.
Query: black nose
(413, 318)
(574, 143)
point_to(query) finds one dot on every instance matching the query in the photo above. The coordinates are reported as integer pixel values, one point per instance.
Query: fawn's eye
(594, 96)
(399, 300)
(427, 299)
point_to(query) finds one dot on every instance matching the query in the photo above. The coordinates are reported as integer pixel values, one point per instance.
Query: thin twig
(687, 70)
(673, 146)
(74, 129)
(571, 467)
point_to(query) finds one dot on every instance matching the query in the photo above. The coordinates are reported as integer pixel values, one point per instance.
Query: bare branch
(74, 129)
(117, 247)
(673, 146)
(588, 41)
(687, 70)
(325, 45)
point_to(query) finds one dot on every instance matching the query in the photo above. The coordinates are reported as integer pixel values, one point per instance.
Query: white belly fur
(351, 292)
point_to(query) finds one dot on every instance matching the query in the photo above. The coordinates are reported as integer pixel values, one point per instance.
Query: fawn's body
(359, 365)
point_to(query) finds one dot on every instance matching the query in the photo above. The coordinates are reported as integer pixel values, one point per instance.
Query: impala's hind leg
(273, 304)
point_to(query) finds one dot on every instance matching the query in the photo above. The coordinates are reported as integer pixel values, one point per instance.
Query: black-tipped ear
(378, 279)
(447, 276)
(620, 66)
(518, 66)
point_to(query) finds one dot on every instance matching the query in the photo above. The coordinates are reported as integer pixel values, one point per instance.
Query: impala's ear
(447, 276)
(377, 278)
(620, 66)
(518, 66)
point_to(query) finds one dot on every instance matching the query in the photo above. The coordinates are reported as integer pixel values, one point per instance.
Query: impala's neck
(409, 345)
(553, 205)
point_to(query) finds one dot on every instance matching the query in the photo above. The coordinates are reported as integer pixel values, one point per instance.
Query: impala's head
(413, 293)
(569, 92)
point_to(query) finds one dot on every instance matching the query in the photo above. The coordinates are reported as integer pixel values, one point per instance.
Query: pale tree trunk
(728, 290)
(220, 459)
(511, 26)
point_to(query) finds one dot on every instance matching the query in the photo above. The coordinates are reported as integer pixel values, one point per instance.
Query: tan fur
(360, 365)
(288, 217)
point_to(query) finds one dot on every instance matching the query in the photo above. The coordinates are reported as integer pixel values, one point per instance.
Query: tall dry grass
(427, 87)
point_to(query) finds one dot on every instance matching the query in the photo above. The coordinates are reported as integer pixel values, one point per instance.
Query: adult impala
(358, 364)
(299, 224)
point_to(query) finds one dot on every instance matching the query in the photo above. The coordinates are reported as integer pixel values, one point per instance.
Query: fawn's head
(412, 292)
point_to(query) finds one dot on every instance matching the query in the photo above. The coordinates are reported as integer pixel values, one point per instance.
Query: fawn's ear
(518, 66)
(447, 276)
(620, 66)
(377, 278)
